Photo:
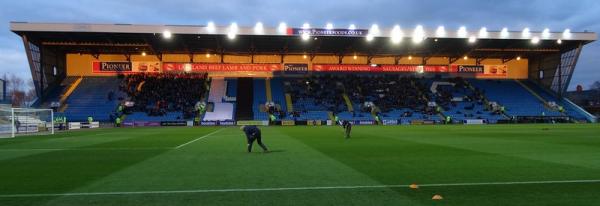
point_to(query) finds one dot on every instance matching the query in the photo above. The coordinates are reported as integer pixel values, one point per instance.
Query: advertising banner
(253, 122)
(379, 68)
(288, 123)
(494, 71)
(295, 68)
(328, 32)
(125, 67)
(390, 122)
(111, 67)
(226, 123)
(173, 123)
(146, 66)
(467, 69)
(202, 67)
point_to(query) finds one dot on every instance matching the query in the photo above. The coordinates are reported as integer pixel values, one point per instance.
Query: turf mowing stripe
(294, 188)
(199, 138)
(69, 149)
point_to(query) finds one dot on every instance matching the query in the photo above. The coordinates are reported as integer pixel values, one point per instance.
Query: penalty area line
(199, 138)
(293, 188)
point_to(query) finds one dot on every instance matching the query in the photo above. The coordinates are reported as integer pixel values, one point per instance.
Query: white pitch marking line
(199, 138)
(294, 188)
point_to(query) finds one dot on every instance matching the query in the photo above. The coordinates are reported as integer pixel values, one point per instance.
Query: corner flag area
(479, 165)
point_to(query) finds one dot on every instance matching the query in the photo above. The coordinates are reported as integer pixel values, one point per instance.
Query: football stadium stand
(141, 75)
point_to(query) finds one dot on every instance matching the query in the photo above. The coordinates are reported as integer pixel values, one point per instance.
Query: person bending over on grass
(253, 134)
(347, 127)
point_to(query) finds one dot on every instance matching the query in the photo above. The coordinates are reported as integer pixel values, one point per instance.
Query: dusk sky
(536, 14)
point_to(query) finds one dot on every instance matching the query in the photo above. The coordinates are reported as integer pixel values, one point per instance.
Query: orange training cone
(437, 197)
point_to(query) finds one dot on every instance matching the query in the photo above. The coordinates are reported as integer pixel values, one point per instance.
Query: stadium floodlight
(462, 32)
(483, 33)
(559, 41)
(233, 29)
(504, 33)
(465, 57)
(519, 58)
(374, 30)
(546, 33)
(167, 34)
(535, 40)
(329, 26)
(207, 55)
(418, 35)
(306, 26)
(369, 37)
(566, 34)
(210, 27)
(304, 56)
(282, 29)
(409, 57)
(396, 34)
(355, 57)
(440, 31)
(258, 28)
(305, 36)
(144, 53)
(472, 39)
(526, 33)
(352, 27)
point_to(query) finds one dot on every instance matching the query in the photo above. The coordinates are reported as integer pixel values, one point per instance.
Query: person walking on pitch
(253, 134)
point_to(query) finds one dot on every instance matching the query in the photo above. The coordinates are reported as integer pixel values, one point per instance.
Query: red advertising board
(202, 67)
(378, 68)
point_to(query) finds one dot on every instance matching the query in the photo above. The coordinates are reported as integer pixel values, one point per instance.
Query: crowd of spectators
(157, 94)
(321, 92)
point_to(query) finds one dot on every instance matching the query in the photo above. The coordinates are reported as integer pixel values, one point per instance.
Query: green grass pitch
(308, 165)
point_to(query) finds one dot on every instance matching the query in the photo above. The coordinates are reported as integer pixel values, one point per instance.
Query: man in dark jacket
(347, 127)
(253, 134)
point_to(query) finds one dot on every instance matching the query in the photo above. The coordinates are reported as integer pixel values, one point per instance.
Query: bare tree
(595, 86)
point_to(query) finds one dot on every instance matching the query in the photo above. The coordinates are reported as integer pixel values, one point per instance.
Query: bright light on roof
(504, 33)
(143, 53)
(440, 31)
(306, 26)
(304, 57)
(535, 40)
(472, 39)
(462, 32)
(369, 37)
(233, 29)
(258, 28)
(374, 30)
(282, 29)
(546, 33)
(483, 33)
(559, 41)
(396, 34)
(566, 34)
(418, 34)
(518, 58)
(409, 57)
(167, 34)
(210, 27)
(465, 57)
(329, 26)
(526, 33)
(305, 36)
(352, 27)
(355, 57)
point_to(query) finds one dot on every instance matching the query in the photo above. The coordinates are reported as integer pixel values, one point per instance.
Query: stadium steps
(244, 99)
(288, 102)
(68, 93)
(268, 90)
(348, 102)
(536, 95)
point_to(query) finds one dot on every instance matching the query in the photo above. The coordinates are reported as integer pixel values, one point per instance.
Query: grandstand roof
(131, 39)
